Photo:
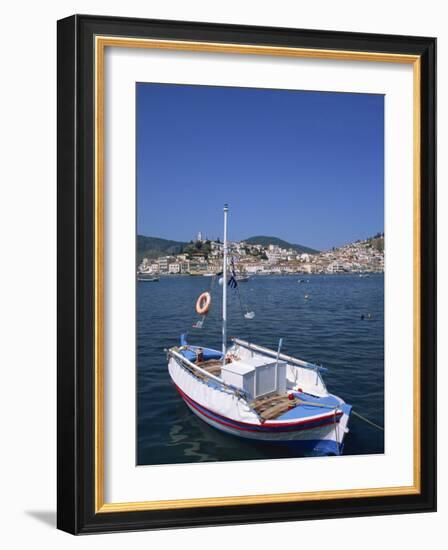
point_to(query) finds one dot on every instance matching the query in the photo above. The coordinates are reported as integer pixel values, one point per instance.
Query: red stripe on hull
(259, 428)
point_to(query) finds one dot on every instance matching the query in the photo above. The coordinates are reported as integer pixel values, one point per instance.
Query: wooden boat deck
(272, 406)
(213, 366)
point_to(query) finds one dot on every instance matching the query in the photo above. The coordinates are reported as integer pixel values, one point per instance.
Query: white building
(185, 267)
(274, 255)
(215, 246)
(174, 268)
(163, 262)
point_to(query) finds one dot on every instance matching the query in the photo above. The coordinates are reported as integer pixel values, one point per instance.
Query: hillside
(152, 247)
(265, 241)
(376, 242)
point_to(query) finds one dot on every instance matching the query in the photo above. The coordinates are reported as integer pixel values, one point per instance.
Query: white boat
(256, 393)
(147, 278)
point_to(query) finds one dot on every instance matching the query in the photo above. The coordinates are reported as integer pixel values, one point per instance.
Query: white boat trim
(185, 361)
(273, 353)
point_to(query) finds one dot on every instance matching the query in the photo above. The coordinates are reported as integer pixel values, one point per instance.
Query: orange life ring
(203, 303)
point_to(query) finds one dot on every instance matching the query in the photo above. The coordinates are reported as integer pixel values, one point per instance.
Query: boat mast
(224, 288)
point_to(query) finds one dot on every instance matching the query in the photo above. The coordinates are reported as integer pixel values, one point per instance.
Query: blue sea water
(325, 328)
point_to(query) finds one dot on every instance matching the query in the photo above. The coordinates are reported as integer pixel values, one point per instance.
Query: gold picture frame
(98, 34)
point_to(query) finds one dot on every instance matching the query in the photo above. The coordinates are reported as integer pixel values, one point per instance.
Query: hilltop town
(203, 256)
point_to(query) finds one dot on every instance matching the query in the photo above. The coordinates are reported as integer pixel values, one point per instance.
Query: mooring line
(377, 426)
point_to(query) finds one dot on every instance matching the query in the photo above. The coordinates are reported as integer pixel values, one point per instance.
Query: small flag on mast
(232, 282)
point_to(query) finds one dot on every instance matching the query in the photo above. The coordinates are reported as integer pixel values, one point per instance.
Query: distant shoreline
(300, 275)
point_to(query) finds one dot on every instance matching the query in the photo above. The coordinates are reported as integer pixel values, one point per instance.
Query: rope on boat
(244, 305)
(377, 426)
(241, 302)
(360, 416)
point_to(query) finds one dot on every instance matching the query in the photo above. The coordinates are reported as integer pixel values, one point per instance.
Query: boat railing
(237, 391)
(282, 356)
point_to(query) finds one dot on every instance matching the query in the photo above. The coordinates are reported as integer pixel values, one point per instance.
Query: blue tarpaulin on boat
(190, 352)
(183, 339)
(303, 411)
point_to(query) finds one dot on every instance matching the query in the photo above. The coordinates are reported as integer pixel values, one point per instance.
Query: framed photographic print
(246, 274)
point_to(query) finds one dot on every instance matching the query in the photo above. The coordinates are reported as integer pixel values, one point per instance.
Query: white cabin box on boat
(256, 377)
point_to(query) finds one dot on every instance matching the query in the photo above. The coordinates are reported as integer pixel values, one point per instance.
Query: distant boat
(256, 393)
(208, 274)
(238, 278)
(148, 279)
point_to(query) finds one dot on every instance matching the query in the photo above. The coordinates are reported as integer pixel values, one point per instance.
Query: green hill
(152, 247)
(377, 242)
(265, 241)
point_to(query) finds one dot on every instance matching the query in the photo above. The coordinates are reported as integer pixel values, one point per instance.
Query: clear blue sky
(307, 167)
